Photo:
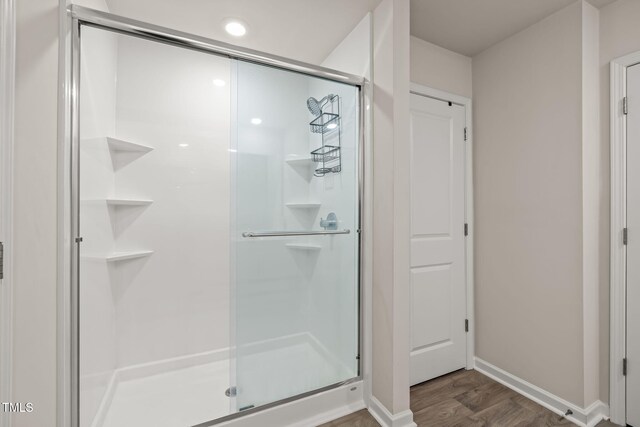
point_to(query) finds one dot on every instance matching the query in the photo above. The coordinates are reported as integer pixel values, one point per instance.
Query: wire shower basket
(327, 124)
(324, 123)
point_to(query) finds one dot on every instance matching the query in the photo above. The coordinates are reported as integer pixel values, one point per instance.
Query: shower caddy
(327, 124)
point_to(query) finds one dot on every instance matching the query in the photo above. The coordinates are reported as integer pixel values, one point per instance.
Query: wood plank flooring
(467, 399)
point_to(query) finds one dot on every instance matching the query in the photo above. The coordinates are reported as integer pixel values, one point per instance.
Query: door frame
(421, 90)
(7, 103)
(618, 250)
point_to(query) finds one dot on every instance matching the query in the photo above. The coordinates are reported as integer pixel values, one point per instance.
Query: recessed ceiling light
(219, 82)
(183, 145)
(256, 121)
(235, 28)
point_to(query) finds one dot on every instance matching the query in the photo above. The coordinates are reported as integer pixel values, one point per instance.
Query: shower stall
(215, 227)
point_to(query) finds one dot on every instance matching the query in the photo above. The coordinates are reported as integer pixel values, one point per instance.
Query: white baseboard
(585, 417)
(386, 418)
(596, 412)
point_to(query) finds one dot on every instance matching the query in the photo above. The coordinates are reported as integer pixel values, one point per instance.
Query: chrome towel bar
(292, 233)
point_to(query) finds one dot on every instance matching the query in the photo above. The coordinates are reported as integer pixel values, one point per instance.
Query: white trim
(586, 417)
(618, 255)
(366, 252)
(7, 103)
(386, 418)
(63, 338)
(467, 104)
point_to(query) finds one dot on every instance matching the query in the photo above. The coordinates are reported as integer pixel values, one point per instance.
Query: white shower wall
(96, 299)
(176, 302)
(146, 312)
(333, 291)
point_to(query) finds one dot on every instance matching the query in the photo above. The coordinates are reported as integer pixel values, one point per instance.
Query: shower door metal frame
(69, 227)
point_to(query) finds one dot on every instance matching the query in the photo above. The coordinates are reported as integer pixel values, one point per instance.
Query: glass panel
(184, 320)
(296, 297)
(154, 216)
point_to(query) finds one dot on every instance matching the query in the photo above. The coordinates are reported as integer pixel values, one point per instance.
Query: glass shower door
(295, 239)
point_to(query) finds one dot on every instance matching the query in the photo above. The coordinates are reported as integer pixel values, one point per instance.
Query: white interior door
(438, 290)
(633, 247)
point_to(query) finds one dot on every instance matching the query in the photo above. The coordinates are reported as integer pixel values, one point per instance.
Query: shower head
(315, 106)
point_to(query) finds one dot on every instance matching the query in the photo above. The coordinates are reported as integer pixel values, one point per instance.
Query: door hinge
(466, 229)
(1, 260)
(466, 325)
(78, 239)
(624, 367)
(625, 236)
(625, 106)
(465, 134)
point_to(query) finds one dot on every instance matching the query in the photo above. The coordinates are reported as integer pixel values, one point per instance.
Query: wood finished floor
(467, 398)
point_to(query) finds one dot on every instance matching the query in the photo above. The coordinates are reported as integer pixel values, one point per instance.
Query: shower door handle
(292, 233)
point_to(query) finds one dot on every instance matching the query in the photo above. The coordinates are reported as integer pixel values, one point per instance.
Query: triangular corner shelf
(120, 145)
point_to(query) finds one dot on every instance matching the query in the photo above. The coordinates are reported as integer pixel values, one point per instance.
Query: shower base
(184, 397)
(195, 394)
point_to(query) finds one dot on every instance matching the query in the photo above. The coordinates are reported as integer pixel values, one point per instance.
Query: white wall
(97, 309)
(619, 36)
(35, 239)
(391, 206)
(536, 204)
(166, 97)
(528, 204)
(439, 68)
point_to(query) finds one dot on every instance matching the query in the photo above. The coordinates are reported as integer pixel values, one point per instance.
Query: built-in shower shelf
(118, 202)
(300, 161)
(117, 145)
(128, 202)
(123, 256)
(303, 247)
(304, 205)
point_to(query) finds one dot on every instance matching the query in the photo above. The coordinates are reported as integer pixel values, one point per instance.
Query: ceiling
(306, 30)
(471, 26)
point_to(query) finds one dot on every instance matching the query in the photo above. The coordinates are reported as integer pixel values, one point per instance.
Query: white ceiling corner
(471, 26)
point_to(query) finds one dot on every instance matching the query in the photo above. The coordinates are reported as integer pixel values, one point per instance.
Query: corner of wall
(390, 318)
(590, 201)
